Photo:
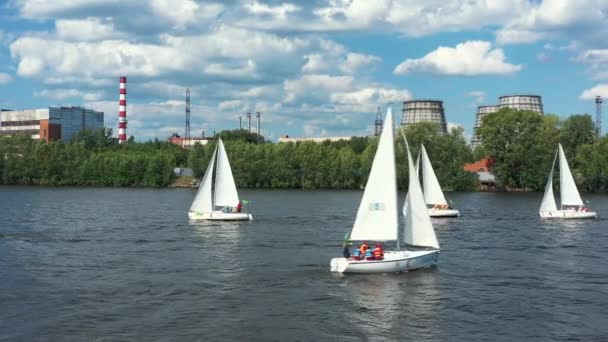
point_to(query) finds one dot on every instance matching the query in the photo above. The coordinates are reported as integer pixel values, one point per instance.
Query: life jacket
(378, 253)
(363, 248)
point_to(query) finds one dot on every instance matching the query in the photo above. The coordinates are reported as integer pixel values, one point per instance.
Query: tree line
(522, 143)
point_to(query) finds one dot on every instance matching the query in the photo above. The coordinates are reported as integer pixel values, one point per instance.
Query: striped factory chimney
(122, 111)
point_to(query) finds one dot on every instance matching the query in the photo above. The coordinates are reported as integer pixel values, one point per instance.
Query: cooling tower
(481, 112)
(527, 102)
(424, 111)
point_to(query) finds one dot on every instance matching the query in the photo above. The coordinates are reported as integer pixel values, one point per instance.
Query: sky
(311, 68)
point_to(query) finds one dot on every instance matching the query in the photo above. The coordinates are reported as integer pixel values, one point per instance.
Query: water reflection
(390, 304)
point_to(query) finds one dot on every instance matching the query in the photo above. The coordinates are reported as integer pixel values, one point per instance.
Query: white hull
(394, 261)
(220, 216)
(443, 212)
(439, 212)
(568, 214)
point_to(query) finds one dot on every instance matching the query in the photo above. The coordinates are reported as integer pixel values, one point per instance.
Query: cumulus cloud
(598, 90)
(63, 94)
(596, 61)
(552, 19)
(478, 95)
(466, 59)
(5, 78)
(90, 29)
(304, 82)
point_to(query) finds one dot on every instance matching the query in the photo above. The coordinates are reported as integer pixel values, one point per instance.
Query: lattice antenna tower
(187, 132)
(598, 115)
(378, 123)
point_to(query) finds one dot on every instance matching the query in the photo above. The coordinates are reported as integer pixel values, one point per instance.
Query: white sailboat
(224, 193)
(433, 196)
(571, 205)
(377, 218)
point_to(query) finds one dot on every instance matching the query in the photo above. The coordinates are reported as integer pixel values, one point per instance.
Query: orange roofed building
(482, 165)
(487, 182)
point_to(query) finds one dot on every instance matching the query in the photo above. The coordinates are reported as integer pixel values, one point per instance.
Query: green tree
(576, 130)
(519, 140)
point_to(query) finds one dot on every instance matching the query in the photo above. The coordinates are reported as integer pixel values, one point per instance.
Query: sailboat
(377, 218)
(433, 196)
(571, 206)
(223, 194)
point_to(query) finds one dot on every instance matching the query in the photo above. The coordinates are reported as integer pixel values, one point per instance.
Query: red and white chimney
(122, 111)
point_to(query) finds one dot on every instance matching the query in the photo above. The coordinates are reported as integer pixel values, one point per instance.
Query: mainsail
(568, 191)
(418, 227)
(432, 189)
(203, 201)
(377, 218)
(225, 188)
(548, 203)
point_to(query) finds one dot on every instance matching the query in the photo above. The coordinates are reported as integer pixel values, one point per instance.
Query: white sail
(548, 203)
(377, 215)
(432, 189)
(203, 202)
(418, 227)
(404, 209)
(225, 189)
(569, 193)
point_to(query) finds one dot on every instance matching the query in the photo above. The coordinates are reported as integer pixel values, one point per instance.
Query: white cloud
(356, 61)
(5, 78)
(598, 90)
(466, 59)
(368, 98)
(90, 29)
(553, 19)
(280, 11)
(479, 96)
(597, 62)
(63, 94)
(543, 57)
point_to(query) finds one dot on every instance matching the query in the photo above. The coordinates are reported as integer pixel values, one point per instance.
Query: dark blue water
(125, 264)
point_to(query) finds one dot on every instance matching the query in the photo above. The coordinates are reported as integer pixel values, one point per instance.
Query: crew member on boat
(378, 252)
(239, 207)
(364, 247)
(368, 254)
(357, 254)
(346, 249)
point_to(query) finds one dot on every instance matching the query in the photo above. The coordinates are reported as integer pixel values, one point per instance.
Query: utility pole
(240, 122)
(257, 115)
(187, 132)
(249, 119)
(598, 115)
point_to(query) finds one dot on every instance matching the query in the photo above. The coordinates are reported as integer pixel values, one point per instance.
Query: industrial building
(416, 111)
(518, 101)
(288, 139)
(187, 143)
(51, 123)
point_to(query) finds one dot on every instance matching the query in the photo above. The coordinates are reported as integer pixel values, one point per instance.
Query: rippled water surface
(125, 264)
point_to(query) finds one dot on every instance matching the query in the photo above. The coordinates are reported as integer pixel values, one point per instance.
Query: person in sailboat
(239, 207)
(368, 254)
(378, 252)
(364, 247)
(346, 249)
(356, 254)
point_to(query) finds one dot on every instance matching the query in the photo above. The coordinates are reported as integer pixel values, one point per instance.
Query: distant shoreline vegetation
(522, 142)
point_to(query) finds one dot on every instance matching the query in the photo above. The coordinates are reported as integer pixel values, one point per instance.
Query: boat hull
(394, 261)
(443, 212)
(439, 212)
(568, 214)
(219, 216)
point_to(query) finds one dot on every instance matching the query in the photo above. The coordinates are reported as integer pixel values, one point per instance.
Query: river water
(125, 264)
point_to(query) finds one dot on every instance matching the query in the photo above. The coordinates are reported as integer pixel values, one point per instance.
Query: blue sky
(312, 68)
